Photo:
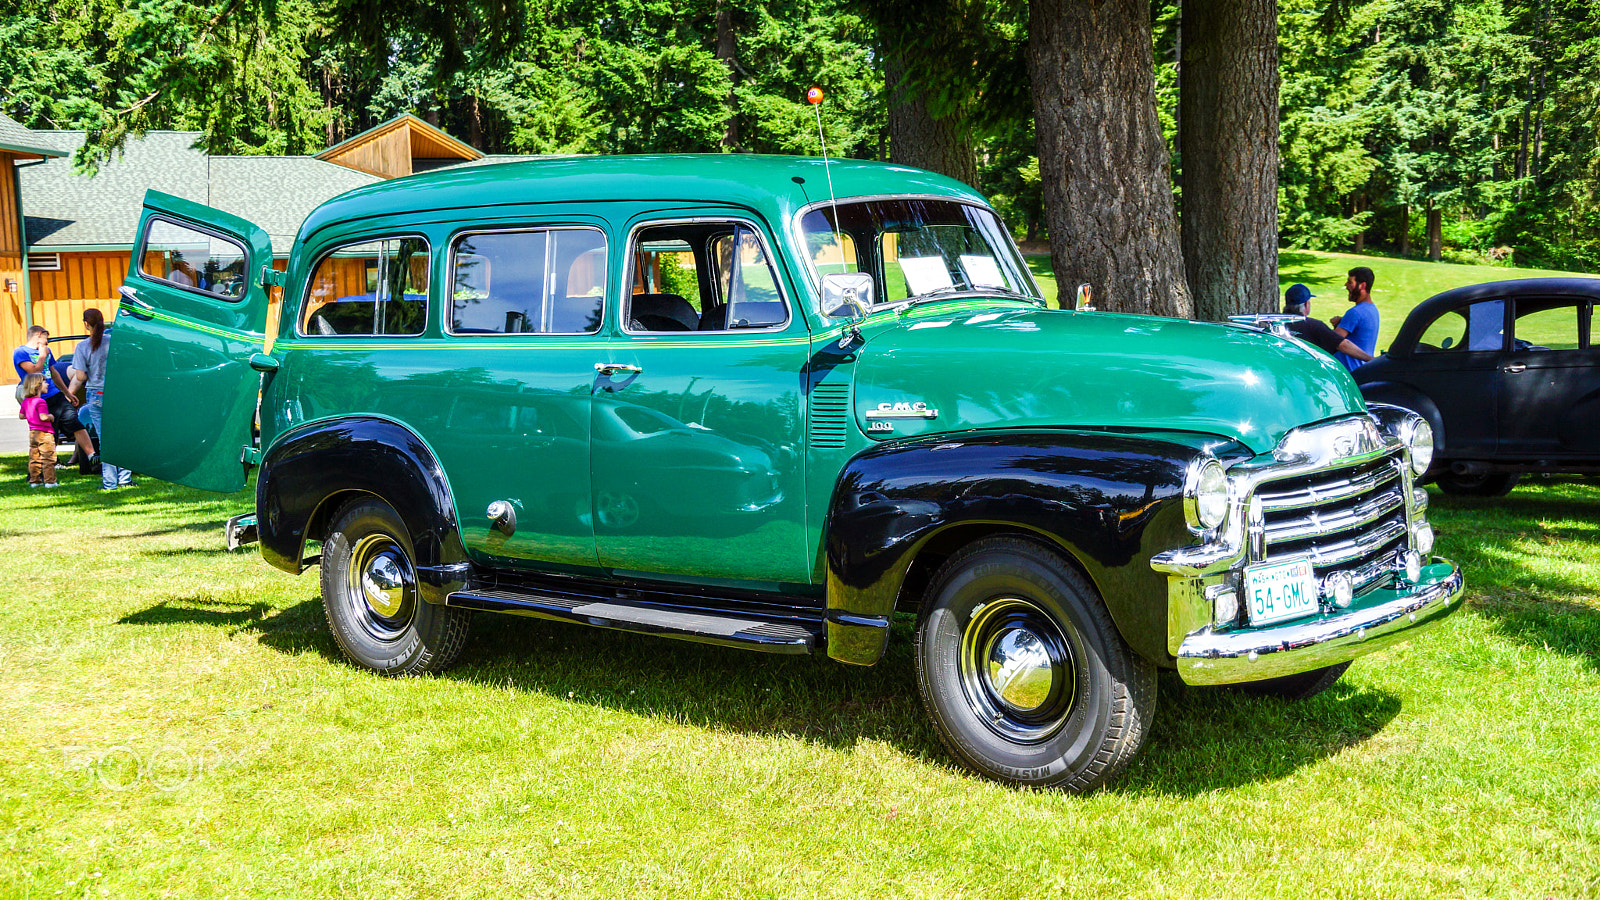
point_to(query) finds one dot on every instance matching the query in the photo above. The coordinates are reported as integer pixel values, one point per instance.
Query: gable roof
(70, 211)
(25, 143)
(392, 148)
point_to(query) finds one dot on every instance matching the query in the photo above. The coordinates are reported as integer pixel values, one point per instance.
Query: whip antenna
(814, 97)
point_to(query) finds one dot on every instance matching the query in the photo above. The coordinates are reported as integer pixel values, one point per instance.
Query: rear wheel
(1023, 672)
(369, 593)
(1482, 484)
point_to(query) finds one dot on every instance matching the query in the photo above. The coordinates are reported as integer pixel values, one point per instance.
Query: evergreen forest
(1464, 130)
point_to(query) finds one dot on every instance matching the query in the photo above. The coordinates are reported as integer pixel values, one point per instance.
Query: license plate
(1280, 591)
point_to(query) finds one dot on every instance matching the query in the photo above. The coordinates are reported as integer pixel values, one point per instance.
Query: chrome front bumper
(1385, 616)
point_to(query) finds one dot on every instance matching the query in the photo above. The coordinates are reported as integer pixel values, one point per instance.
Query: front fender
(308, 469)
(1403, 395)
(1109, 501)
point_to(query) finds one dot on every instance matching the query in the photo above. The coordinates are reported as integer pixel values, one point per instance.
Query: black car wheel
(1482, 484)
(369, 593)
(1300, 686)
(1023, 672)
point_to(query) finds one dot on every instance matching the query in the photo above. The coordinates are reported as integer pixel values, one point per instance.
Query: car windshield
(915, 247)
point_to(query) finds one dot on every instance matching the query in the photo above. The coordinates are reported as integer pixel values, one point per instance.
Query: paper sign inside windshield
(982, 271)
(925, 273)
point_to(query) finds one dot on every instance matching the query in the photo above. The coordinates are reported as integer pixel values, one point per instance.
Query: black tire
(1483, 484)
(1077, 706)
(381, 622)
(1302, 686)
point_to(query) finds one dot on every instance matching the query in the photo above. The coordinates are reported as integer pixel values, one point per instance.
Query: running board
(788, 636)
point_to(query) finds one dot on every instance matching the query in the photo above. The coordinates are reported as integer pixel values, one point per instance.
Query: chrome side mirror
(1084, 301)
(848, 293)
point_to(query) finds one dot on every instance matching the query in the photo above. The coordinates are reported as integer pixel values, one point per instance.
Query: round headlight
(1419, 438)
(1207, 495)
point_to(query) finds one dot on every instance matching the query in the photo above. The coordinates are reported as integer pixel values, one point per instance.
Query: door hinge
(251, 456)
(271, 277)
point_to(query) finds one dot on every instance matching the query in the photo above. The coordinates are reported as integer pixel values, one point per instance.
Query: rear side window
(702, 276)
(371, 288)
(194, 259)
(535, 281)
(1548, 325)
(1480, 326)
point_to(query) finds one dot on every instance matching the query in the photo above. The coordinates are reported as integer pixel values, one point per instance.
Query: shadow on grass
(1527, 603)
(1202, 739)
(1208, 738)
(200, 611)
(1297, 265)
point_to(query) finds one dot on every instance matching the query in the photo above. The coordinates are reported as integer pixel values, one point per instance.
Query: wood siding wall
(59, 298)
(387, 155)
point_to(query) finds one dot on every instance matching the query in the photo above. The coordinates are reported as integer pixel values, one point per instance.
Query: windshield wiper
(940, 293)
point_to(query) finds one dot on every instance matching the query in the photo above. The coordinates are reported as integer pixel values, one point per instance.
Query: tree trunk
(1361, 236)
(1522, 136)
(1405, 229)
(1106, 179)
(1435, 231)
(1229, 104)
(916, 136)
(727, 50)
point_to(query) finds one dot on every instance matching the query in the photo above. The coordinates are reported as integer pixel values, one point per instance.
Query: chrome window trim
(446, 324)
(305, 291)
(625, 287)
(798, 235)
(142, 249)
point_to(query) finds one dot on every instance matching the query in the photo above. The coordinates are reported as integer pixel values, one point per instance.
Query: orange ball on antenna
(814, 96)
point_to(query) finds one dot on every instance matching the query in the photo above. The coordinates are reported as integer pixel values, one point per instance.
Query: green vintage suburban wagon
(769, 402)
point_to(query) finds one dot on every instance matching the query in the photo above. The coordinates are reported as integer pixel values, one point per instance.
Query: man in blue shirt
(34, 357)
(1360, 323)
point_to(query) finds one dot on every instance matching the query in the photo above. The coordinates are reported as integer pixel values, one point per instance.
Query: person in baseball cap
(1297, 302)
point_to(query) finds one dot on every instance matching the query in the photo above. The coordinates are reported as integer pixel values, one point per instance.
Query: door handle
(1514, 368)
(130, 298)
(614, 368)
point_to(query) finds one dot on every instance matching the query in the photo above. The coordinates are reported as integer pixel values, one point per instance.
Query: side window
(1547, 325)
(542, 281)
(702, 276)
(1475, 327)
(187, 257)
(371, 288)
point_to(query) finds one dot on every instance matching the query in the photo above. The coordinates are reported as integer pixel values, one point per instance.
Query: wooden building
(79, 229)
(18, 147)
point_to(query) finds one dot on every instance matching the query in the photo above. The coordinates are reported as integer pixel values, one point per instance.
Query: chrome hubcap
(383, 586)
(1020, 673)
(1017, 669)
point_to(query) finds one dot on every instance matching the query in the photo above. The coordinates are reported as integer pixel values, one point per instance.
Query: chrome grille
(1349, 519)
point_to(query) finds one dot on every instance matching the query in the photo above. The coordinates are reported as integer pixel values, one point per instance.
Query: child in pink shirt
(41, 434)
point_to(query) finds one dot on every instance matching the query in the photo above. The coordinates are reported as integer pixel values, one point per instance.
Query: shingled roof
(24, 142)
(70, 211)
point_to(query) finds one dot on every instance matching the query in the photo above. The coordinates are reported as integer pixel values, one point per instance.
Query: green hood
(1004, 367)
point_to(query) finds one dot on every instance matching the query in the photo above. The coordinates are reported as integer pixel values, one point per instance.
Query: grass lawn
(1399, 284)
(178, 722)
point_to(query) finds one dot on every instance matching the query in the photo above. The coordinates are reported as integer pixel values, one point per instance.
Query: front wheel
(369, 593)
(1483, 484)
(1300, 686)
(1023, 672)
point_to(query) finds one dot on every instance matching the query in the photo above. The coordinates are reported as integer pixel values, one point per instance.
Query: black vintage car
(1507, 376)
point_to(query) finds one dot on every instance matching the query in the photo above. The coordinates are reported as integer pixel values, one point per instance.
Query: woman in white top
(89, 368)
